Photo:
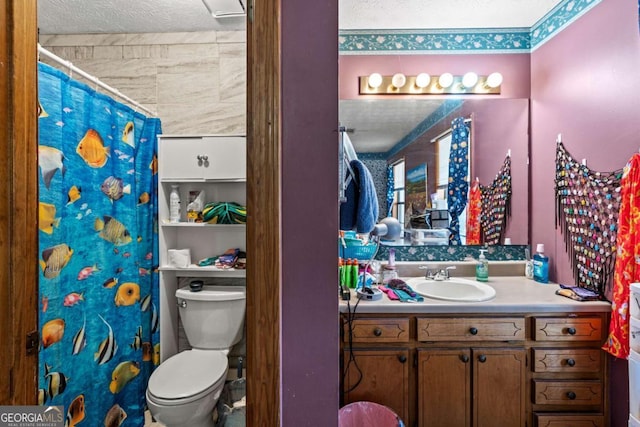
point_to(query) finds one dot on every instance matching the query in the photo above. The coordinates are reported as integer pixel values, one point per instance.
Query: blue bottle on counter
(540, 265)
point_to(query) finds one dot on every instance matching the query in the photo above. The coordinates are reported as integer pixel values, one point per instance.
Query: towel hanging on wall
(360, 210)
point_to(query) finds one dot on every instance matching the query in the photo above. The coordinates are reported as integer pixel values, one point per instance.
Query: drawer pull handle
(473, 331)
(482, 358)
(464, 358)
(571, 331)
(377, 332)
(402, 358)
(571, 395)
(571, 362)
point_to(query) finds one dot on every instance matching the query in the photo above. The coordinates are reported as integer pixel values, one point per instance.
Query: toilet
(184, 389)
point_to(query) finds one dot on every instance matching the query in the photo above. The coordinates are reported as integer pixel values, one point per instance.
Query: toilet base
(193, 414)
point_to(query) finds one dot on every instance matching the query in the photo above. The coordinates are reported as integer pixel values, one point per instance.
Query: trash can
(370, 414)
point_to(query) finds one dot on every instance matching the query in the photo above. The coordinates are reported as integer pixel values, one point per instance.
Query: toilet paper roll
(180, 258)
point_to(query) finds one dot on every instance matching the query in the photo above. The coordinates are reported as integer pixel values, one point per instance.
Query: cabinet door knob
(377, 332)
(482, 358)
(571, 362)
(464, 358)
(571, 331)
(473, 331)
(402, 358)
(571, 395)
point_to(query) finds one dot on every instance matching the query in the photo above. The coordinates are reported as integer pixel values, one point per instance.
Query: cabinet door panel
(384, 380)
(498, 387)
(214, 158)
(444, 387)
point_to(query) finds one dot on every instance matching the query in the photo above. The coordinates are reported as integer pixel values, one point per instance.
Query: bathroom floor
(148, 422)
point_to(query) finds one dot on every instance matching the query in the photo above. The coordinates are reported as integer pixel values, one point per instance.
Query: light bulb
(469, 80)
(423, 80)
(494, 80)
(445, 80)
(375, 80)
(398, 80)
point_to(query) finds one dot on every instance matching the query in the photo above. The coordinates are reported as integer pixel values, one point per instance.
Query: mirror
(498, 127)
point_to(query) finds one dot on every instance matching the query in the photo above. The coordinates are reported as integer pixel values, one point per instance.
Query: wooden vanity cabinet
(479, 370)
(568, 370)
(376, 366)
(471, 385)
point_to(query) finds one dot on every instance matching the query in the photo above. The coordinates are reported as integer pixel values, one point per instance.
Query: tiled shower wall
(196, 82)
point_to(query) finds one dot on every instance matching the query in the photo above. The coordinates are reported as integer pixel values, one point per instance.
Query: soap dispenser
(482, 267)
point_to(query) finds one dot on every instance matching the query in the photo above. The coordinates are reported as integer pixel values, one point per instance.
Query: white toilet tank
(213, 318)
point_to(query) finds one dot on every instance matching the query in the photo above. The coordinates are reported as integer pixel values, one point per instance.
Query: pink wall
(585, 86)
(515, 69)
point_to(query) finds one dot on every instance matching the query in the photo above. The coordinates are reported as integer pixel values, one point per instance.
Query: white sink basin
(453, 289)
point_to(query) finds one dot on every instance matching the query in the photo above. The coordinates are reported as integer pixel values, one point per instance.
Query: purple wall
(585, 86)
(310, 349)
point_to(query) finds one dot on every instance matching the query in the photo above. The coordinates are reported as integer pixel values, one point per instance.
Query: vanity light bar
(398, 84)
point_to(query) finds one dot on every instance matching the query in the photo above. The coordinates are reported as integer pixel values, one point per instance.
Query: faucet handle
(446, 270)
(429, 273)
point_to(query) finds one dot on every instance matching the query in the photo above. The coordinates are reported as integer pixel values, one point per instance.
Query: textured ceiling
(441, 14)
(126, 16)
(377, 125)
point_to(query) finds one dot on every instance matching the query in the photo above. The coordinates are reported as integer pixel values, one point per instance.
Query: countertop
(514, 294)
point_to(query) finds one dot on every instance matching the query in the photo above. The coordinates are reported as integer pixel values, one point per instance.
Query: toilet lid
(187, 374)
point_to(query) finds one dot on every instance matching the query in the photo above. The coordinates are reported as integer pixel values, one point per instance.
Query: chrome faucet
(440, 274)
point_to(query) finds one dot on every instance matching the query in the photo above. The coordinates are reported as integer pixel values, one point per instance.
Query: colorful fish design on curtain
(458, 177)
(98, 286)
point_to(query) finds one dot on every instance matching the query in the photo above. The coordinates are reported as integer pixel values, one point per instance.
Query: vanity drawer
(573, 420)
(571, 393)
(579, 360)
(471, 329)
(378, 330)
(567, 328)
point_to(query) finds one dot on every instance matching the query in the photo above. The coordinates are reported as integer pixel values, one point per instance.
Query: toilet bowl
(184, 389)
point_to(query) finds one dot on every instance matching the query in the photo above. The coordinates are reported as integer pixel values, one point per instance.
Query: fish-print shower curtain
(98, 282)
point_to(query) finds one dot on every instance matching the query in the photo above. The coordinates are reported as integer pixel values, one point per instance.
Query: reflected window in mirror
(397, 208)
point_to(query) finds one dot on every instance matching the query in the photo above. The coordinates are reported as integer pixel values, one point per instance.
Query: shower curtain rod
(93, 79)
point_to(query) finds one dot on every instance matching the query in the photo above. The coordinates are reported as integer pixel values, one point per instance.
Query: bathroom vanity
(525, 358)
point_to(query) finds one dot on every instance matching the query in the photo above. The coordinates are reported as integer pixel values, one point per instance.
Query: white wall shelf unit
(215, 165)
